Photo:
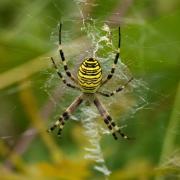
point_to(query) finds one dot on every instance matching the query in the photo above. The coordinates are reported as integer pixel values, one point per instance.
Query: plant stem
(170, 137)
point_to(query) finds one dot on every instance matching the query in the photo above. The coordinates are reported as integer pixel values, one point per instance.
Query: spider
(89, 80)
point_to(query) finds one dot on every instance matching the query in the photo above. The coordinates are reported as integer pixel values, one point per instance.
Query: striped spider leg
(113, 70)
(61, 76)
(68, 73)
(66, 115)
(108, 120)
(115, 60)
(119, 89)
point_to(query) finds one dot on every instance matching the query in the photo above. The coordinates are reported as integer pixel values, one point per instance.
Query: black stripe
(86, 68)
(62, 55)
(112, 94)
(60, 119)
(68, 73)
(90, 65)
(88, 88)
(70, 85)
(90, 73)
(85, 81)
(122, 134)
(59, 132)
(88, 79)
(104, 94)
(60, 75)
(106, 121)
(113, 124)
(114, 135)
(53, 127)
(60, 26)
(119, 89)
(109, 76)
(65, 115)
(116, 58)
(65, 67)
(91, 59)
(119, 43)
(109, 118)
(60, 129)
(112, 70)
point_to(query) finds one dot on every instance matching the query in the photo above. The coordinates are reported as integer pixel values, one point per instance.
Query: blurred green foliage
(150, 49)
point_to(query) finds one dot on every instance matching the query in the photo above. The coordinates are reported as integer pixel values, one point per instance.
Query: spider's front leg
(68, 73)
(108, 120)
(115, 61)
(65, 116)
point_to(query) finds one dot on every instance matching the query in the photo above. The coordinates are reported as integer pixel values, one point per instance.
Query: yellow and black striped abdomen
(90, 75)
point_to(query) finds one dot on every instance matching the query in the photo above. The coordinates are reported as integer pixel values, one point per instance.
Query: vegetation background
(32, 97)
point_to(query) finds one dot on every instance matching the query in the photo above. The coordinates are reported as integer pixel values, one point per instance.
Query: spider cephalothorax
(89, 80)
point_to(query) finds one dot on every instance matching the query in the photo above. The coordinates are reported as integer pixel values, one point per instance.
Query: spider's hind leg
(65, 116)
(110, 127)
(118, 130)
(113, 127)
(61, 53)
(108, 120)
(59, 123)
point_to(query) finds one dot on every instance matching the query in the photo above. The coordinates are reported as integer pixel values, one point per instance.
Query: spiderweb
(103, 47)
(103, 44)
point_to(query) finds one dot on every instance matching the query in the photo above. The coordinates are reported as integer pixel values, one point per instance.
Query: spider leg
(65, 116)
(119, 89)
(115, 61)
(68, 73)
(108, 120)
(61, 76)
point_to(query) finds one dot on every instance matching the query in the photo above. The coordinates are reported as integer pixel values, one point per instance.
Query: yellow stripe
(89, 71)
(91, 62)
(88, 85)
(90, 68)
(80, 75)
(84, 84)
(82, 81)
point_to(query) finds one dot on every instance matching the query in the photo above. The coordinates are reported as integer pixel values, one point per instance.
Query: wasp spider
(89, 80)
